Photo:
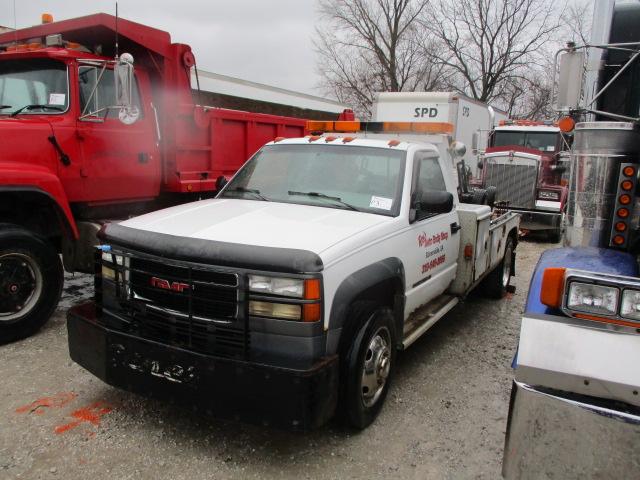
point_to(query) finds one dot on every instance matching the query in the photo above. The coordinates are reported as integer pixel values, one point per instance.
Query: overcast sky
(267, 41)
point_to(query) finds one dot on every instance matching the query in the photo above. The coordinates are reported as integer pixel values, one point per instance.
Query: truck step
(426, 316)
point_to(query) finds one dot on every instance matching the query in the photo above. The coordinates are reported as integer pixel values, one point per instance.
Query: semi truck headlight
(287, 287)
(630, 305)
(549, 195)
(594, 299)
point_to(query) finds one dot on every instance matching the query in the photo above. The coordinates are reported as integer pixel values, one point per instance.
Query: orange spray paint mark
(42, 404)
(91, 414)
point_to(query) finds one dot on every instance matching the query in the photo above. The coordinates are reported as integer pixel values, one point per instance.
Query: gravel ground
(445, 416)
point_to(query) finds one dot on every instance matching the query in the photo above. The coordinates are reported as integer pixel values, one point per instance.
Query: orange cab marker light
(623, 212)
(394, 143)
(278, 139)
(618, 240)
(621, 226)
(624, 199)
(626, 185)
(468, 251)
(47, 18)
(312, 289)
(348, 139)
(313, 138)
(552, 287)
(566, 124)
(329, 139)
(629, 171)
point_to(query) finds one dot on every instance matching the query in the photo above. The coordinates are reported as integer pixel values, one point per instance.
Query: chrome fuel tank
(598, 150)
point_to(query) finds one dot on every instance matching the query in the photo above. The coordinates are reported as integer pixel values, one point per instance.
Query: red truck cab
(524, 161)
(72, 159)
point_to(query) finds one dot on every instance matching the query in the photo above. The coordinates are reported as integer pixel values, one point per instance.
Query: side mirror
(458, 149)
(480, 164)
(435, 202)
(570, 80)
(123, 76)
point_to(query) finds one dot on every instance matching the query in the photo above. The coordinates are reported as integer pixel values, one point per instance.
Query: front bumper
(539, 220)
(552, 434)
(223, 387)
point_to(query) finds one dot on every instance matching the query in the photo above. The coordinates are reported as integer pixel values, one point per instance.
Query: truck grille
(190, 306)
(515, 180)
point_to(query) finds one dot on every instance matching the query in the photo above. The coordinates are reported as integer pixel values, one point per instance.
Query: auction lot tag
(381, 202)
(57, 98)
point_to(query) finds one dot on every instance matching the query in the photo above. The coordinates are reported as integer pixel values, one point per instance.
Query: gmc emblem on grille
(166, 285)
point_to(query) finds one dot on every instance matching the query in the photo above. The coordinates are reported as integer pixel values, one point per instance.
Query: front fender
(352, 287)
(17, 177)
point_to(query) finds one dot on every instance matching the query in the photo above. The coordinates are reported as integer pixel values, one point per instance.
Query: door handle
(455, 227)
(143, 157)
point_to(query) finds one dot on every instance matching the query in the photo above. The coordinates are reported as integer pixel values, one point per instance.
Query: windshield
(36, 85)
(544, 141)
(366, 179)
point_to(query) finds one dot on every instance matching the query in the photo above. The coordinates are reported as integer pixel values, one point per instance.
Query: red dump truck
(87, 138)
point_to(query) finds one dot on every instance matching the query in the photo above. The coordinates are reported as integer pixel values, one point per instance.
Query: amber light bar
(379, 127)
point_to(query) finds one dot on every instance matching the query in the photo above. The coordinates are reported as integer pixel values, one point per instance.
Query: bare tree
(489, 47)
(577, 21)
(369, 46)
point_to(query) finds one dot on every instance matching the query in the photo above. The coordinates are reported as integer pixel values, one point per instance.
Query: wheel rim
(506, 268)
(20, 285)
(376, 366)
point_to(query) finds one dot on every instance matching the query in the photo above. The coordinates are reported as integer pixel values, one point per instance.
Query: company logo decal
(166, 285)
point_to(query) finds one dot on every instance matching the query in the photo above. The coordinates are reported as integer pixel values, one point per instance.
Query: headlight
(287, 287)
(594, 299)
(549, 195)
(630, 305)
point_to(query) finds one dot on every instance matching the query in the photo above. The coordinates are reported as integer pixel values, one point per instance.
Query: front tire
(370, 365)
(31, 280)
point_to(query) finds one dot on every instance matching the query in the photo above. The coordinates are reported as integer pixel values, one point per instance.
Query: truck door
(119, 162)
(432, 254)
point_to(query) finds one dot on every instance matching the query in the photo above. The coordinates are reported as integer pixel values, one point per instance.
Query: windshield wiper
(2, 107)
(326, 197)
(250, 190)
(31, 107)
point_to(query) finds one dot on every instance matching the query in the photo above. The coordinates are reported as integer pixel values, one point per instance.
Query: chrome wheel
(506, 268)
(376, 366)
(20, 285)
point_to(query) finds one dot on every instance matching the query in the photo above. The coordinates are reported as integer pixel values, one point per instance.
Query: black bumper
(223, 387)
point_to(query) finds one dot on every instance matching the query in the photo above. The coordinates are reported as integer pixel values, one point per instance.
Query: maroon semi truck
(527, 162)
(87, 138)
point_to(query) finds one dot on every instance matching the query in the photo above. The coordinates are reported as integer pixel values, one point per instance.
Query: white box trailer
(451, 113)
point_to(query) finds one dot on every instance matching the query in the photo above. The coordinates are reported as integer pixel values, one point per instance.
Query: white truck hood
(260, 223)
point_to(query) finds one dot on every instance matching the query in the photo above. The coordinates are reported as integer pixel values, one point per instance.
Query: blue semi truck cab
(575, 401)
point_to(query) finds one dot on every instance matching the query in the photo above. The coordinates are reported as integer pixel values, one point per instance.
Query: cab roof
(352, 141)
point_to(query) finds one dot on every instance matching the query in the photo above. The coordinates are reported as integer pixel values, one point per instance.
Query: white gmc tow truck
(285, 299)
